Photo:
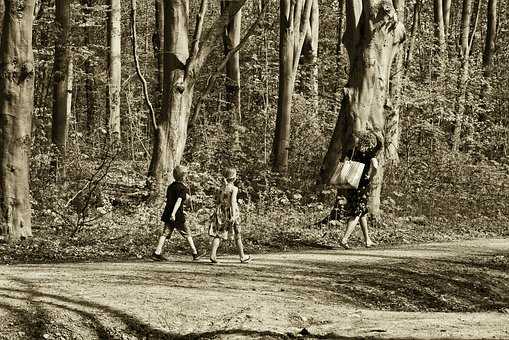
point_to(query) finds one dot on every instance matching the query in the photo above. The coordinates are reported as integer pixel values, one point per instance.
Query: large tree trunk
(463, 75)
(181, 69)
(60, 124)
(115, 70)
(16, 104)
(171, 133)
(372, 38)
(294, 17)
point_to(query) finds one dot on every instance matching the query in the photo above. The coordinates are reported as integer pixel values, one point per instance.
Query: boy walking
(174, 216)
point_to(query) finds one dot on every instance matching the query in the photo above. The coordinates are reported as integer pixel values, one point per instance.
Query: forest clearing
(261, 169)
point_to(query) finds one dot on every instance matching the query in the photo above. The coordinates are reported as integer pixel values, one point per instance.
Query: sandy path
(333, 294)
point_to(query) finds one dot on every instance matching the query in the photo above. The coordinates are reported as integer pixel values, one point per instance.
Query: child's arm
(234, 204)
(175, 208)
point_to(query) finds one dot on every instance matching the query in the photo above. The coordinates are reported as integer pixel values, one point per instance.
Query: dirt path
(447, 290)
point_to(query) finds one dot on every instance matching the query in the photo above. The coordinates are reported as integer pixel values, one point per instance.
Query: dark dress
(175, 191)
(357, 199)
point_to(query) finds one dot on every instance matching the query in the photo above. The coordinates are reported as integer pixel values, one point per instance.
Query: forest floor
(449, 290)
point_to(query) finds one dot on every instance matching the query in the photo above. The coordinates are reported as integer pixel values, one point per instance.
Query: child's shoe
(159, 257)
(197, 256)
(246, 259)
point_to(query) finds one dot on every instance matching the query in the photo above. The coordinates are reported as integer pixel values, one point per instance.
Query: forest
(100, 100)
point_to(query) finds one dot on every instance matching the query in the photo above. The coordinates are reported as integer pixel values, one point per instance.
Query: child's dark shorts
(182, 228)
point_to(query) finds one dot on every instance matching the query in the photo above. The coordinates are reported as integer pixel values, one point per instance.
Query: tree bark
(372, 38)
(16, 105)
(393, 101)
(158, 43)
(463, 75)
(182, 65)
(60, 122)
(310, 54)
(491, 35)
(231, 38)
(446, 13)
(438, 7)
(115, 70)
(413, 34)
(89, 69)
(294, 18)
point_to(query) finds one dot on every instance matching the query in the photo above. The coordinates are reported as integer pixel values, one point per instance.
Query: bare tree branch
(214, 32)
(200, 18)
(137, 63)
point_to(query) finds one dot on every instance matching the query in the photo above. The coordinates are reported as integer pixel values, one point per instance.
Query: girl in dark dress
(356, 208)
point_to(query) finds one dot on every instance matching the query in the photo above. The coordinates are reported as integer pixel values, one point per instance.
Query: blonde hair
(179, 172)
(230, 174)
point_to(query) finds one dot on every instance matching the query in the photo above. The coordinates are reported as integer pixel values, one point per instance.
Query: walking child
(174, 216)
(226, 220)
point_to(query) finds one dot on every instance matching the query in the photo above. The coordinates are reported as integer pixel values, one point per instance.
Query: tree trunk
(171, 133)
(60, 123)
(463, 75)
(231, 38)
(393, 101)
(158, 42)
(294, 18)
(181, 69)
(372, 38)
(446, 13)
(310, 54)
(16, 105)
(341, 14)
(89, 71)
(115, 70)
(413, 34)
(438, 7)
(491, 35)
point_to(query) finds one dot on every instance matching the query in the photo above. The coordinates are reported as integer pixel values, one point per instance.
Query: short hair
(230, 173)
(179, 172)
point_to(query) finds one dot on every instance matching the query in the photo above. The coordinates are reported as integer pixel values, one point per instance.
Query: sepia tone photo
(254, 169)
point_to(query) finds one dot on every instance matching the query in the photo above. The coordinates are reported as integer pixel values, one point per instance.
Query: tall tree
(491, 35)
(231, 38)
(115, 69)
(393, 102)
(16, 105)
(89, 67)
(182, 65)
(463, 74)
(373, 36)
(438, 7)
(310, 53)
(294, 16)
(61, 75)
(158, 43)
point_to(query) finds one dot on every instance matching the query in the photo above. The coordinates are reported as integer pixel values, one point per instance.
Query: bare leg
(166, 235)
(189, 239)
(365, 232)
(240, 246)
(352, 222)
(213, 251)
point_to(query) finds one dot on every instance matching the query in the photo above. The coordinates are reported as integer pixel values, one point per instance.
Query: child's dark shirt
(175, 191)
